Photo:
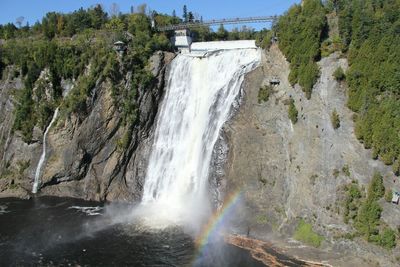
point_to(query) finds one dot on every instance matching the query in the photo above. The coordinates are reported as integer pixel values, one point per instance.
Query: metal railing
(217, 22)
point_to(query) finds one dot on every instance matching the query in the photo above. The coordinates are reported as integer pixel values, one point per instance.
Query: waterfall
(199, 95)
(43, 156)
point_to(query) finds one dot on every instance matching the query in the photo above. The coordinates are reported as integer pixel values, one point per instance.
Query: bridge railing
(217, 22)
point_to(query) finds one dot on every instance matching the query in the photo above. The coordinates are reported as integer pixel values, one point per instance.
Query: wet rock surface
(83, 157)
(288, 172)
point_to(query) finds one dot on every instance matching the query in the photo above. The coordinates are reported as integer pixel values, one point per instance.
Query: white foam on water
(91, 211)
(3, 209)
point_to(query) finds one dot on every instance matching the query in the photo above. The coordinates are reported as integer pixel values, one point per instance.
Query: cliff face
(285, 171)
(85, 157)
(288, 172)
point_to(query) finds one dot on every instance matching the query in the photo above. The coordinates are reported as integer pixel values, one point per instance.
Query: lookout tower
(182, 40)
(120, 47)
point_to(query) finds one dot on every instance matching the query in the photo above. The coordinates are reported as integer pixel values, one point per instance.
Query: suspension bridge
(194, 24)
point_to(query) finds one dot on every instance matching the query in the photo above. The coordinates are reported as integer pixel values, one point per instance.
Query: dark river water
(50, 231)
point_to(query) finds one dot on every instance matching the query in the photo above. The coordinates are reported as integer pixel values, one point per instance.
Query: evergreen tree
(97, 16)
(185, 14)
(371, 35)
(300, 33)
(222, 33)
(190, 17)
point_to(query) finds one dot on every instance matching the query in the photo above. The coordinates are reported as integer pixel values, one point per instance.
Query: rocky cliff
(286, 171)
(85, 158)
(290, 171)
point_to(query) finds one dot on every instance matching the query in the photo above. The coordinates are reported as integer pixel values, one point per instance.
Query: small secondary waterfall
(199, 96)
(43, 156)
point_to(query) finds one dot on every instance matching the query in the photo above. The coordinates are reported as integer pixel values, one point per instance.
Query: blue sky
(34, 10)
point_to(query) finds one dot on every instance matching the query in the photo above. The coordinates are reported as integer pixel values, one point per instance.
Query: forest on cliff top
(369, 36)
(67, 44)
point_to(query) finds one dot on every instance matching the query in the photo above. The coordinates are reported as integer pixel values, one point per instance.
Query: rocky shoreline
(268, 254)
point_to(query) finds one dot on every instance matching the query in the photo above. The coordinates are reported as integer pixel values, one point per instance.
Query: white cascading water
(198, 100)
(43, 156)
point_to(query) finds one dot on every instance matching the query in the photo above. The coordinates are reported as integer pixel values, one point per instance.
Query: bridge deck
(217, 22)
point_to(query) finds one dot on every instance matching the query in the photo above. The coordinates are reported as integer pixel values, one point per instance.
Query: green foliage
(222, 33)
(56, 24)
(338, 74)
(8, 31)
(376, 189)
(123, 143)
(370, 33)
(115, 24)
(388, 195)
(346, 170)
(87, 58)
(264, 93)
(307, 76)
(396, 167)
(261, 219)
(22, 166)
(335, 173)
(335, 119)
(264, 38)
(365, 213)
(331, 45)
(76, 101)
(368, 219)
(305, 233)
(292, 112)
(25, 118)
(388, 238)
(352, 202)
(300, 33)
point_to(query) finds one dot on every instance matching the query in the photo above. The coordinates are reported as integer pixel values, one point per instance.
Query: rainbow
(216, 222)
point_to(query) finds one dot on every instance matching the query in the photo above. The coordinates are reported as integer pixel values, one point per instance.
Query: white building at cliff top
(182, 40)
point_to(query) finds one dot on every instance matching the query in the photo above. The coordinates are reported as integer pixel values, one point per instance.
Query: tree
(115, 24)
(19, 21)
(185, 14)
(190, 17)
(396, 167)
(300, 33)
(9, 31)
(222, 34)
(292, 112)
(49, 24)
(369, 30)
(97, 16)
(335, 119)
(338, 74)
(388, 238)
(368, 219)
(60, 23)
(376, 188)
